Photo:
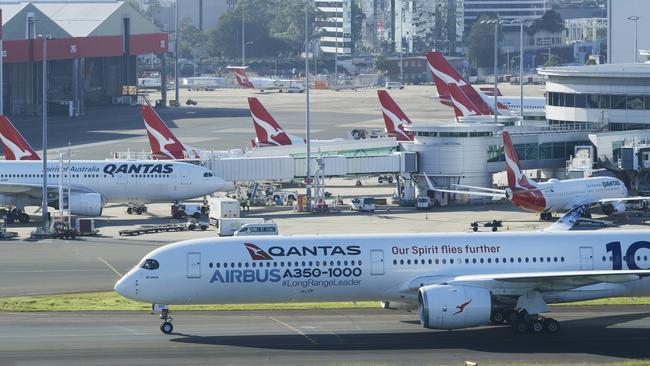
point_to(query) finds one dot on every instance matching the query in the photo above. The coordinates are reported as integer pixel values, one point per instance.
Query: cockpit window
(208, 174)
(150, 264)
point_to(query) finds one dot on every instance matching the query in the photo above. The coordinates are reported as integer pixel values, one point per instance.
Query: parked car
(394, 85)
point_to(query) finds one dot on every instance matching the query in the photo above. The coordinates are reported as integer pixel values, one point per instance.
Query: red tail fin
(490, 91)
(394, 118)
(444, 73)
(164, 145)
(462, 105)
(516, 177)
(241, 77)
(13, 143)
(268, 131)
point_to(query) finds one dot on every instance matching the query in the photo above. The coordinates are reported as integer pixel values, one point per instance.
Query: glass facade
(598, 101)
(549, 150)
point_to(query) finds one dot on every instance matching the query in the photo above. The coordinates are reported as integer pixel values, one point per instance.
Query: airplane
(261, 84)
(394, 118)
(267, 130)
(164, 144)
(553, 195)
(456, 280)
(466, 111)
(444, 74)
(14, 144)
(96, 182)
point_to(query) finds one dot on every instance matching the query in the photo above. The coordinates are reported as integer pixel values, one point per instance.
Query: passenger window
(150, 264)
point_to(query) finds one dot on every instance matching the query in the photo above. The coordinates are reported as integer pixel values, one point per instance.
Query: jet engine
(453, 307)
(86, 204)
(613, 208)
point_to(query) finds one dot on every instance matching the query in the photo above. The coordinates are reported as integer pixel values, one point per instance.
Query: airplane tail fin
(463, 107)
(444, 73)
(241, 76)
(394, 118)
(164, 144)
(267, 129)
(516, 177)
(13, 143)
(489, 91)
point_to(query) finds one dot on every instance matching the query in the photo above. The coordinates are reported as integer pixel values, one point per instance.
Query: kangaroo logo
(257, 253)
(461, 307)
(15, 150)
(271, 132)
(398, 123)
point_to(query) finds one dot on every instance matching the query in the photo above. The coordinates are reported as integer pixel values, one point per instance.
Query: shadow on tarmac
(589, 336)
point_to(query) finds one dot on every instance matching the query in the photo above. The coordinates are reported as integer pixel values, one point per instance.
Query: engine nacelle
(614, 208)
(453, 307)
(86, 204)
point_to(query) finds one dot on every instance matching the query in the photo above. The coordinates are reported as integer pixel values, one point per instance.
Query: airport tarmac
(324, 337)
(221, 120)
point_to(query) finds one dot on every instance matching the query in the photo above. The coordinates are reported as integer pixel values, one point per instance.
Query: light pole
(307, 114)
(243, 39)
(336, 45)
(44, 155)
(176, 87)
(635, 19)
(496, 23)
(521, 22)
(401, 45)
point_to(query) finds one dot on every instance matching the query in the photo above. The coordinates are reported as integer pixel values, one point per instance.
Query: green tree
(191, 38)
(480, 42)
(551, 22)
(380, 64)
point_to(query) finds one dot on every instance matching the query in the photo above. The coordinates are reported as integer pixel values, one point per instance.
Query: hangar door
(194, 265)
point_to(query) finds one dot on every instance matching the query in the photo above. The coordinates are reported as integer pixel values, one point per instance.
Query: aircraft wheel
(23, 218)
(536, 326)
(498, 317)
(520, 326)
(551, 326)
(494, 228)
(196, 215)
(129, 211)
(166, 327)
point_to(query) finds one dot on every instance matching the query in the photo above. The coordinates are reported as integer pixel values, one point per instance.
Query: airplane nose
(123, 288)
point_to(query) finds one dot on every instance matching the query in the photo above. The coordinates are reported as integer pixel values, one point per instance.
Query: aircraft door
(185, 175)
(376, 262)
(586, 258)
(194, 265)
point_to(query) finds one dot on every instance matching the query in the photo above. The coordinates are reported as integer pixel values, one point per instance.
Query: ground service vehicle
(267, 228)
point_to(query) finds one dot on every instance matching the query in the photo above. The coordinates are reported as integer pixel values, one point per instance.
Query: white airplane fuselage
(563, 195)
(118, 181)
(378, 267)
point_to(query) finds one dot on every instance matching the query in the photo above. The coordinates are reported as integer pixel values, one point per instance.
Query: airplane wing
(480, 188)
(566, 222)
(35, 190)
(550, 281)
(624, 199)
(471, 193)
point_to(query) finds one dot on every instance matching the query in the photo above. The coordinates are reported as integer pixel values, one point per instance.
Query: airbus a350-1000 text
(456, 280)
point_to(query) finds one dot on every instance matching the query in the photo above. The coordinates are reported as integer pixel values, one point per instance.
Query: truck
(223, 208)
(363, 204)
(228, 226)
(184, 209)
(423, 203)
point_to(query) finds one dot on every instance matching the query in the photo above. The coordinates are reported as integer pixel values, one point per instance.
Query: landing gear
(546, 216)
(13, 215)
(166, 326)
(498, 317)
(137, 209)
(534, 323)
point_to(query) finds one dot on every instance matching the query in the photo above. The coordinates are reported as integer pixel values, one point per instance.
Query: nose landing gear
(166, 326)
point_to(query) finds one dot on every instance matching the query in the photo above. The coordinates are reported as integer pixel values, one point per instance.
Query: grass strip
(110, 301)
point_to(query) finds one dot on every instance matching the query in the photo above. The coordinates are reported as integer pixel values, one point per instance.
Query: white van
(267, 228)
(394, 85)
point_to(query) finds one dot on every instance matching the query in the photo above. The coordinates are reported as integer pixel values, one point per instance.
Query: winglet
(566, 222)
(394, 118)
(13, 143)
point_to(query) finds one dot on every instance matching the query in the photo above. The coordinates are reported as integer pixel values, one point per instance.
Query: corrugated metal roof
(79, 19)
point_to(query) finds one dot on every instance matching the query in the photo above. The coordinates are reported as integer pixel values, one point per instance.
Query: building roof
(79, 19)
(10, 10)
(623, 70)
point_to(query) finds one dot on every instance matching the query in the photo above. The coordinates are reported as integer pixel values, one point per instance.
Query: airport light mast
(176, 33)
(44, 155)
(307, 114)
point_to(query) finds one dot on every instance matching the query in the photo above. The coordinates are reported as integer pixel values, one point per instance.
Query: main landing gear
(137, 209)
(166, 326)
(522, 322)
(546, 216)
(13, 215)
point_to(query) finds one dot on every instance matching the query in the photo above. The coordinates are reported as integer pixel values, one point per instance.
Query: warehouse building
(91, 53)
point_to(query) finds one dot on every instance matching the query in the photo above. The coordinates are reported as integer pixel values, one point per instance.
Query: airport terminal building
(91, 54)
